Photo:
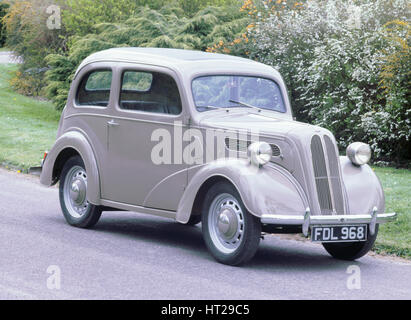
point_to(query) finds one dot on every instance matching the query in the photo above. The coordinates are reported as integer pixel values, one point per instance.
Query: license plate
(339, 233)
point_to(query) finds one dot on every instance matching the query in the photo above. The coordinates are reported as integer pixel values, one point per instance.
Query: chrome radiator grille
(327, 176)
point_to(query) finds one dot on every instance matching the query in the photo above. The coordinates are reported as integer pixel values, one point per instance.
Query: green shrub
(191, 7)
(30, 38)
(3, 11)
(79, 16)
(346, 68)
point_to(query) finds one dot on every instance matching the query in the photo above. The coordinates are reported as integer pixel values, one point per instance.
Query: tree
(3, 11)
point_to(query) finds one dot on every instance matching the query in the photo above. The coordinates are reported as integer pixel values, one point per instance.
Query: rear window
(137, 81)
(94, 89)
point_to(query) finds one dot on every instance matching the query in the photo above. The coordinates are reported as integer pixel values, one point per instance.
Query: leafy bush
(167, 28)
(388, 125)
(3, 9)
(346, 65)
(29, 37)
(190, 7)
(80, 16)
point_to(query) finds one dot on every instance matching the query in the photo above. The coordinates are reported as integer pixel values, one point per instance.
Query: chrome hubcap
(226, 223)
(75, 192)
(78, 191)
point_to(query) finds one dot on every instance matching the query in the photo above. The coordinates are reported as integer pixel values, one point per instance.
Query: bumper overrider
(307, 220)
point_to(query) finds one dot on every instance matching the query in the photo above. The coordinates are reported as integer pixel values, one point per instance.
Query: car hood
(293, 139)
(265, 124)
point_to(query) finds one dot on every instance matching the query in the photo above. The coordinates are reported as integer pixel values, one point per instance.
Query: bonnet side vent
(242, 146)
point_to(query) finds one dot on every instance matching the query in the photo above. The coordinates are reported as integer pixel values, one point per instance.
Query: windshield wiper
(211, 107)
(245, 105)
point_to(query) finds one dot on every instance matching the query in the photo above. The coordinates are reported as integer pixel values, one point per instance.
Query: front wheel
(230, 232)
(73, 195)
(351, 250)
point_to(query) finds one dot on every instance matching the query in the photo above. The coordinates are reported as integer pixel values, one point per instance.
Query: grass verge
(395, 238)
(28, 127)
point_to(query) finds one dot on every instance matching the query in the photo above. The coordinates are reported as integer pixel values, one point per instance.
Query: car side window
(149, 92)
(94, 89)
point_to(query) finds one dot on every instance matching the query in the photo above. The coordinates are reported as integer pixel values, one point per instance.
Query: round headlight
(359, 153)
(260, 153)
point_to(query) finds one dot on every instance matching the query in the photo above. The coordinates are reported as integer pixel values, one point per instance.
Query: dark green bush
(3, 10)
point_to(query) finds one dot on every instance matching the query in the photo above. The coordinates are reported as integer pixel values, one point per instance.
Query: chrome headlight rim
(260, 153)
(359, 153)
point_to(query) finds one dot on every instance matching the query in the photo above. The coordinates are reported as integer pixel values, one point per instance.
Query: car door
(144, 165)
(89, 104)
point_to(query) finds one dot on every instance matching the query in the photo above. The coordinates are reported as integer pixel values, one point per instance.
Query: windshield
(211, 92)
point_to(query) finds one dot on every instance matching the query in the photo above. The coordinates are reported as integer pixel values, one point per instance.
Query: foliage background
(346, 63)
(3, 11)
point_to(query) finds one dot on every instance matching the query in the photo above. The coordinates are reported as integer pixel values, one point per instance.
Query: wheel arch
(201, 193)
(70, 144)
(269, 190)
(61, 160)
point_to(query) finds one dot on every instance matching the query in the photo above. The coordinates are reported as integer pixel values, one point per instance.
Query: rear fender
(73, 140)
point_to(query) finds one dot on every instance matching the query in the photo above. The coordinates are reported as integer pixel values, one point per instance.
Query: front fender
(270, 189)
(77, 141)
(363, 188)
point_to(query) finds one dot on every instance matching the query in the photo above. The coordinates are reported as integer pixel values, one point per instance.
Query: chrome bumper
(308, 220)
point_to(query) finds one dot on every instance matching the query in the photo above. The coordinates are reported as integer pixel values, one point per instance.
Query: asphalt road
(134, 256)
(7, 57)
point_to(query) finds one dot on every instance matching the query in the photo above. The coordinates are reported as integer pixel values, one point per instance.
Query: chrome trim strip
(320, 220)
(139, 209)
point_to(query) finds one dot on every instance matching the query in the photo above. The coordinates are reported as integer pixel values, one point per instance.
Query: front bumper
(307, 220)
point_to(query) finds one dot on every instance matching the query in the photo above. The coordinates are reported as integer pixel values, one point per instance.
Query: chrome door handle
(111, 123)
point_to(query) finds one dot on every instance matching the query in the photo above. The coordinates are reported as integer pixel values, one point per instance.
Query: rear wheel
(76, 209)
(230, 232)
(351, 250)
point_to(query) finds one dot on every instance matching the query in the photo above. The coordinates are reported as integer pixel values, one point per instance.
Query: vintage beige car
(210, 138)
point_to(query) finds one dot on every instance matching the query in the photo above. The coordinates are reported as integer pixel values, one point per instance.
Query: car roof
(176, 59)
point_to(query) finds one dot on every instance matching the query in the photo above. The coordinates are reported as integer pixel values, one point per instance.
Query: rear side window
(149, 92)
(94, 89)
(137, 81)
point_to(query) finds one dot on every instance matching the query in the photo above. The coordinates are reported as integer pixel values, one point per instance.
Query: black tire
(92, 213)
(194, 220)
(250, 237)
(351, 250)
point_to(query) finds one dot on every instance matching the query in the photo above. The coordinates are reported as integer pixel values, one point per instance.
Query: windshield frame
(280, 88)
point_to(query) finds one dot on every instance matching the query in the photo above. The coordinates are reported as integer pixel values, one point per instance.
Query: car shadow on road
(273, 252)
(154, 230)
